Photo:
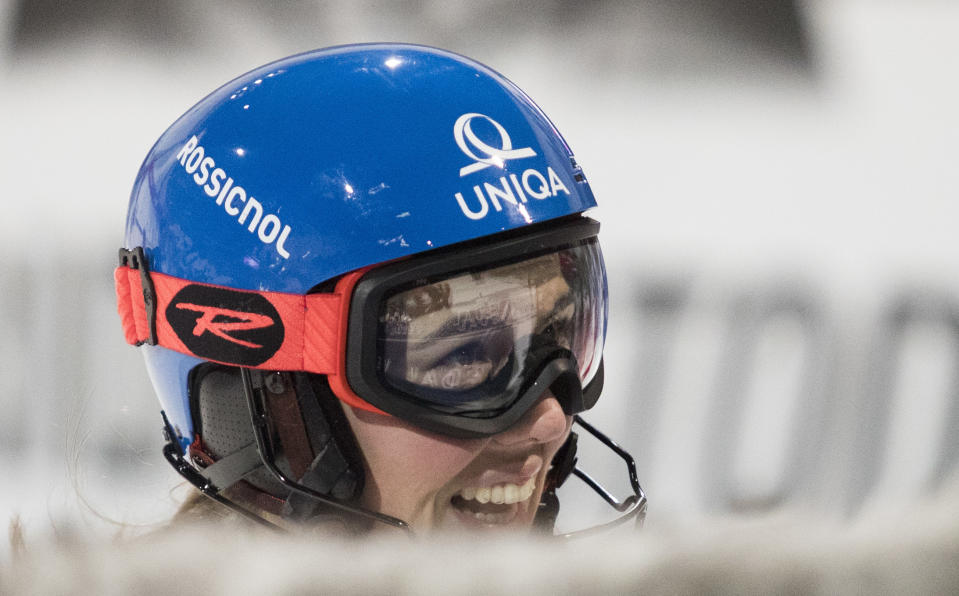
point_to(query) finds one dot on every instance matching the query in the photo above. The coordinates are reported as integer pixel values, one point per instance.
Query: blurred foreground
(906, 550)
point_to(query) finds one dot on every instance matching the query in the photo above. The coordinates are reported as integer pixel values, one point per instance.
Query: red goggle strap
(313, 326)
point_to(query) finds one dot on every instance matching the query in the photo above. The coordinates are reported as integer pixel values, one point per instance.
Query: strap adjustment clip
(135, 259)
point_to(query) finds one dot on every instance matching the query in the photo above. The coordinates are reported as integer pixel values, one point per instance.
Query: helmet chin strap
(560, 377)
(216, 476)
(306, 496)
(254, 389)
(631, 507)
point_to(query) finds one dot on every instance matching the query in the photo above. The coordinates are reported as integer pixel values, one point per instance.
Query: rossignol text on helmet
(393, 227)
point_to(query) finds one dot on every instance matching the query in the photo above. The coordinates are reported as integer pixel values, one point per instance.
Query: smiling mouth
(494, 505)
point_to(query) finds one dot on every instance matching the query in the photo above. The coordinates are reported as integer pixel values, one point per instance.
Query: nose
(543, 423)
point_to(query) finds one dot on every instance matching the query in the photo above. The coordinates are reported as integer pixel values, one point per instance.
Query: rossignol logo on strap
(236, 201)
(515, 189)
(262, 329)
(225, 325)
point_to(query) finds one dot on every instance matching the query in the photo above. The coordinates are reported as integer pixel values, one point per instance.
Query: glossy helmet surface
(334, 160)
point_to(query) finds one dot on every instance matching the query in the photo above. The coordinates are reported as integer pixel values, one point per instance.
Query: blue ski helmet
(335, 160)
(394, 227)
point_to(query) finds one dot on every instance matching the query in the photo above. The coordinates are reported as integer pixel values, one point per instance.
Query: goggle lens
(468, 342)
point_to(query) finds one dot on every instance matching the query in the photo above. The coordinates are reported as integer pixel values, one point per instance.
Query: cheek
(406, 467)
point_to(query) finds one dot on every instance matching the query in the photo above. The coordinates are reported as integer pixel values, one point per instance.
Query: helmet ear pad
(310, 435)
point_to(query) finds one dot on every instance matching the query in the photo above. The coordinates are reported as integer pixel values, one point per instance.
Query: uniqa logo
(515, 189)
(483, 154)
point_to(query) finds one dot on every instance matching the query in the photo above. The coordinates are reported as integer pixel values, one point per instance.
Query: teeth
(482, 495)
(500, 494)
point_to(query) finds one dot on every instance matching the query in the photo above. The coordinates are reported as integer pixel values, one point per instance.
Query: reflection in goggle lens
(470, 335)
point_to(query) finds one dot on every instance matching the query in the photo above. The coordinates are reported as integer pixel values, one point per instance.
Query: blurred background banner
(778, 189)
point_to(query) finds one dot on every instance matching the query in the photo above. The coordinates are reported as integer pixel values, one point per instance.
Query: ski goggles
(459, 341)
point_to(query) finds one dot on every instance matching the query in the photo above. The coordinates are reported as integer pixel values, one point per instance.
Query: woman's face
(454, 336)
(435, 482)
